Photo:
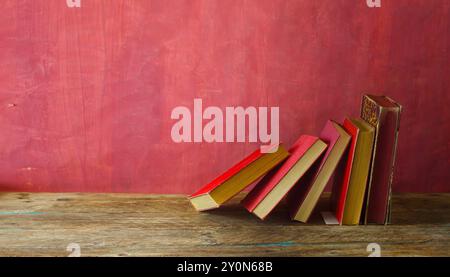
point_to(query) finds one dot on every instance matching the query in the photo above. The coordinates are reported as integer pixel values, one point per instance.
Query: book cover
(275, 185)
(384, 115)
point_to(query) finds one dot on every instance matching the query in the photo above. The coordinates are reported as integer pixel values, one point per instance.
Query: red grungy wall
(86, 93)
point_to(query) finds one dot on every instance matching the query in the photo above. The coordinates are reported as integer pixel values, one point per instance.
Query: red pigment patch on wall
(86, 93)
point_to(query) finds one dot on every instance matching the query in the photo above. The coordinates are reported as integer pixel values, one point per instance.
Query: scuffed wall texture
(86, 94)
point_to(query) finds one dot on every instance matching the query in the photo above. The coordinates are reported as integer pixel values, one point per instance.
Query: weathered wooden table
(44, 224)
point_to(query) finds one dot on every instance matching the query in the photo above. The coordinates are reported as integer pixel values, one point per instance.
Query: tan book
(306, 194)
(274, 186)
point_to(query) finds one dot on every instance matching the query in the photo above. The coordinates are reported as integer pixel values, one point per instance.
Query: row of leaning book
(356, 159)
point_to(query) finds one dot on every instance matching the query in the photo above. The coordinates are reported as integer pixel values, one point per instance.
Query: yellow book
(363, 145)
(237, 178)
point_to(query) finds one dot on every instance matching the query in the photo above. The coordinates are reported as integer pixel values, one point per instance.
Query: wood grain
(43, 224)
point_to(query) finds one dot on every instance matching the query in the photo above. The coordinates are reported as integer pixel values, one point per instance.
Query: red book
(274, 186)
(339, 193)
(237, 178)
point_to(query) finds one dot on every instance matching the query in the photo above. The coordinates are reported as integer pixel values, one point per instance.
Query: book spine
(394, 154)
(370, 114)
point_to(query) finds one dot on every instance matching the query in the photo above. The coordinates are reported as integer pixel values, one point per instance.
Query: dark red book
(382, 113)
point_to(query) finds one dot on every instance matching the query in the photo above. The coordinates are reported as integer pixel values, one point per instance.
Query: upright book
(304, 197)
(237, 178)
(349, 189)
(382, 113)
(275, 185)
